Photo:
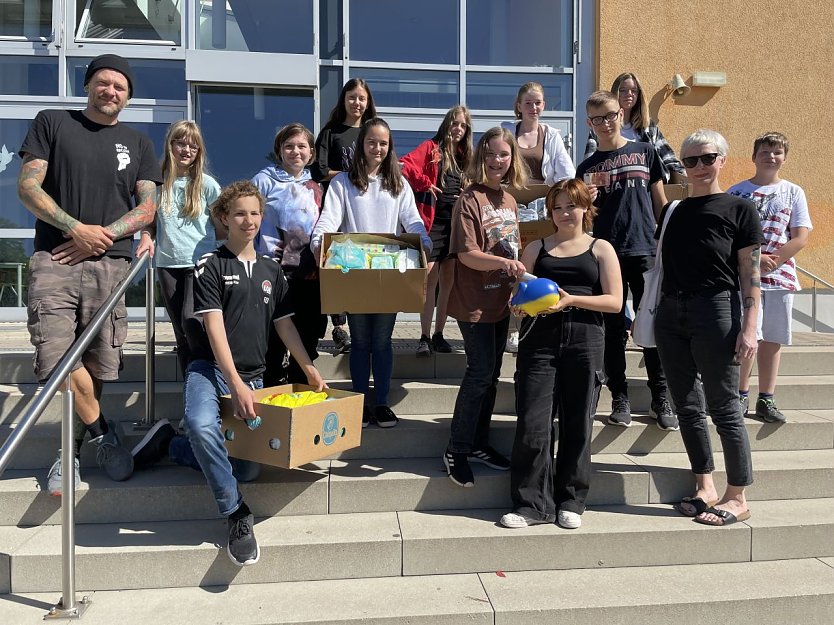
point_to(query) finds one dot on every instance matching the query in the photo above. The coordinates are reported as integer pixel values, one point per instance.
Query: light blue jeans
(204, 449)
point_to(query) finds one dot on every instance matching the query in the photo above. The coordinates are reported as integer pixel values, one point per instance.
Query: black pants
(631, 270)
(176, 284)
(559, 373)
(310, 323)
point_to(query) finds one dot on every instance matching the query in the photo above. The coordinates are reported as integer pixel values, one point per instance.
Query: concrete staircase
(380, 535)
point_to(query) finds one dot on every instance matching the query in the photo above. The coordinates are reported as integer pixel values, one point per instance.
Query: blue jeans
(696, 335)
(484, 346)
(204, 449)
(370, 337)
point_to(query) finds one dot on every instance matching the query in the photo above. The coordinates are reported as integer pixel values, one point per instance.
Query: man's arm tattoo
(749, 302)
(36, 200)
(141, 216)
(755, 276)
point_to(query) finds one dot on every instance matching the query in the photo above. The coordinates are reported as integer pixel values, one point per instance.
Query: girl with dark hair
(335, 149)
(638, 126)
(435, 171)
(559, 367)
(371, 197)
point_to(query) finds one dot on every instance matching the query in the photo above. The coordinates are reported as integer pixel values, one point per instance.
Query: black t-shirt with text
(625, 217)
(251, 295)
(335, 149)
(702, 240)
(92, 171)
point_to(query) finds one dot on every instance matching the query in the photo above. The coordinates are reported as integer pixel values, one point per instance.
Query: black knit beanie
(111, 61)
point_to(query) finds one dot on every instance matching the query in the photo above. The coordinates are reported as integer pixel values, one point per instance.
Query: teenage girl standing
(485, 239)
(435, 171)
(560, 361)
(372, 197)
(335, 149)
(183, 229)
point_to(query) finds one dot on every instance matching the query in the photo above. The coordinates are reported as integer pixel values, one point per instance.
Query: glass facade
(420, 59)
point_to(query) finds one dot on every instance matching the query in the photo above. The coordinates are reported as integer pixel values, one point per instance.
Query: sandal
(698, 503)
(727, 517)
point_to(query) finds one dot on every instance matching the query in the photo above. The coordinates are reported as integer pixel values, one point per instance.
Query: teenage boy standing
(783, 211)
(240, 295)
(630, 195)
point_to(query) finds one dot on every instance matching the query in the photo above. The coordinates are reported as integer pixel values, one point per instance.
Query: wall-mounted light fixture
(709, 79)
(677, 86)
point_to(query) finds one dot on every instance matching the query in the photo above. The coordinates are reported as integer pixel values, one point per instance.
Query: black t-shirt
(335, 149)
(625, 217)
(702, 240)
(251, 295)
(92, 172)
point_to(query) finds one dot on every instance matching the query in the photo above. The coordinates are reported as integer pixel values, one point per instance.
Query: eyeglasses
(598, 120)
(498, 156)
(182, 145)
(691, 162)
(624, 90)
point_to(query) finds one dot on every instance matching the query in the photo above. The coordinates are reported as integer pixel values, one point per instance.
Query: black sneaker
(243, 548)
(766, 409)
(666, 419)
(424, 347)
(458, 469)
(441, 345)
(620, 412)
(367, 416)
(342, 340)
(154, 445)
(488, 456)
(385, 417)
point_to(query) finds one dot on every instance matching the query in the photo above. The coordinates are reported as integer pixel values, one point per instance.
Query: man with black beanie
(91, 182)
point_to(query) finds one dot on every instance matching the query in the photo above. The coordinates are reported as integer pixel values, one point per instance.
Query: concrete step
(192, 553)
(16, 366)
(423, 436)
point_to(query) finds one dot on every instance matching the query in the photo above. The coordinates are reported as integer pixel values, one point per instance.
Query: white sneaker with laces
(569, 520)
(513, 520)
(512, 343)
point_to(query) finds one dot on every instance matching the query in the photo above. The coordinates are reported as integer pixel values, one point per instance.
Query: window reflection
(284, 26)
(14, 260)
(155, 80)
(498, 91)
(412, 88)
(26, 18)
(28, 75)
(156, 21)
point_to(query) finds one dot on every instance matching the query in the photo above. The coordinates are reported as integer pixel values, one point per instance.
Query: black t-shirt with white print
(92, 171)
(251, 295)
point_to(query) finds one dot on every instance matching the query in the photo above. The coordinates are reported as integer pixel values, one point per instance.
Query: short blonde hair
(705, 136)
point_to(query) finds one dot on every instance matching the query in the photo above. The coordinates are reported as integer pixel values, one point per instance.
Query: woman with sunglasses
(638, 126)
(710, 252)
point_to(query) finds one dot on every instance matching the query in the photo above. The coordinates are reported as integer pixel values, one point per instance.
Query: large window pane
(133, 20)
(14, 260)
(331, 31)
(28, 75)
(404, 31)
(330, 86)
(26, 18)
(155, 80)
(239, 125)
(520, 32)
(412, 88)
(498, 91)
(256, 25)
(406, 140)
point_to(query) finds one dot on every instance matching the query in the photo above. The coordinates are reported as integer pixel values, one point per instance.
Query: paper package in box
(292, 437)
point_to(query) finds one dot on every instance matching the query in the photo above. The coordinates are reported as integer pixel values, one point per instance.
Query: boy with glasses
(783, 211)
(628, 179)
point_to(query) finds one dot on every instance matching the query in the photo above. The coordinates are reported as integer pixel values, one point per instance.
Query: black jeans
(484, 346)
(631, 270)
(176, 285)
(559, 373)
(696, 334)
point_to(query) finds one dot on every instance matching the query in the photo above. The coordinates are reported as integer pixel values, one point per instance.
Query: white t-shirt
(781, 206)
(628, 132)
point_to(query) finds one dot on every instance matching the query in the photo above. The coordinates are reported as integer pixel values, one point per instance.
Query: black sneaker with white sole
(458, 469)
(620, 412)
(243, 549)
(488, 456)
(154, 445)
(662, 412)
(424, 348)
(385, 417)
(342, 340)
(367, 416)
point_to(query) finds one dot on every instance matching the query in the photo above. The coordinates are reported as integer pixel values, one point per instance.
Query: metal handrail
(816, 279)
(68, 607)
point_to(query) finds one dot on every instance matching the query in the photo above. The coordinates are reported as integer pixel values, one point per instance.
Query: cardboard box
(677, 191)
(291, 437)
(532, 230)
(372, 290)
(529, 193)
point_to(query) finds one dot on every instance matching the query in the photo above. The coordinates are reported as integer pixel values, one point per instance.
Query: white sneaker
(514, 520)
(512, 343)
(569, 520)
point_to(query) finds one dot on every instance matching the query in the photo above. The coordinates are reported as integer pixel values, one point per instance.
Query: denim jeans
(696, 334)
(204, 449)
(559, 372)
(371, 348)
(484, 345)
(631, 270)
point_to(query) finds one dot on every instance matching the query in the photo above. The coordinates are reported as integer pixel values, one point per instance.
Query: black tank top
(578, 275)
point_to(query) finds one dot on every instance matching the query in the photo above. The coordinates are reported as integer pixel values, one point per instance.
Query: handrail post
(814, 307)
(150, 347)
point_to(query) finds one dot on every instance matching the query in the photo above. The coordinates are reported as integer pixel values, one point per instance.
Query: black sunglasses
(690, 162)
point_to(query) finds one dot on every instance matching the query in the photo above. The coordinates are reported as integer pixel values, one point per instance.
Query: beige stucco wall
(779, 59)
